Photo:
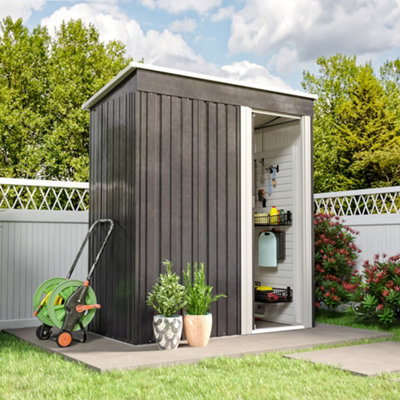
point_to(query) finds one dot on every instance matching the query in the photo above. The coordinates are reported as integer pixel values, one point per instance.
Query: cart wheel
(44, 290)
(57, 311)
(64, 339)
(43, 332)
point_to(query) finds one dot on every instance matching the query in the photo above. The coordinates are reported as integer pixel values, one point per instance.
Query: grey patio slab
(103, 354)
(364, 359)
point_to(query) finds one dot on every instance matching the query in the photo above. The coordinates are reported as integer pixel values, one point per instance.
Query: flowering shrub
(378, 289)
(335, 255)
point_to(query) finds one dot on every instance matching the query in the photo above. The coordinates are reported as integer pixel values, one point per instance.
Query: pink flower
(380, 306)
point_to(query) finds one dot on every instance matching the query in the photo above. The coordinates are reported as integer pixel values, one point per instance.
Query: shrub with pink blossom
(335, 255)
(378, 289)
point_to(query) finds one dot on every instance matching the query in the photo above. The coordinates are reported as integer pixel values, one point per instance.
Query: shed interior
(275, 171)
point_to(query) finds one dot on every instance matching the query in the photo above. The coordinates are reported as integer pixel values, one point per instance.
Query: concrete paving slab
(364, 359)
(103, 354)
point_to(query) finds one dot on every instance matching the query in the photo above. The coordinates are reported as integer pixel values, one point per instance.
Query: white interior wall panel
(35, 246)
(277, 146)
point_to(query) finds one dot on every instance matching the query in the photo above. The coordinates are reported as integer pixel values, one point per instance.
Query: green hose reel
(52, 294)
(68, 305)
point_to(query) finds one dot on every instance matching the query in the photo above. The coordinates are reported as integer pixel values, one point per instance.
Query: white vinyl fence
(374, 213)
(42, 225)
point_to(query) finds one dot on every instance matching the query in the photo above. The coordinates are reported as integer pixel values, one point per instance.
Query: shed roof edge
(134, 65)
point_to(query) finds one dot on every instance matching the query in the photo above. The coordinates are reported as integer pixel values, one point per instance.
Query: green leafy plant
(197, 293)
(167, 295)
(378, 290)
(335, 255)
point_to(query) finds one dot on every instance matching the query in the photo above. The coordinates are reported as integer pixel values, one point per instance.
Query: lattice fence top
(359, 202)
(29, 194)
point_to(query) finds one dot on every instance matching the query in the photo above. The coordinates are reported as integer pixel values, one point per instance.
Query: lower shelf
(274, 296)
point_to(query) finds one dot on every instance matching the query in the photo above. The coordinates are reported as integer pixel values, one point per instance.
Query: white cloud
(163, 48)
(183, 25)
(223, 13)
(285, 60)
(251, 73)
(177, 6)
(311, 28)
(19, 8)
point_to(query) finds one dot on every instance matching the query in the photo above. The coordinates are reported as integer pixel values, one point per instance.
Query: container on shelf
(273, 295)
(265, 219)
(274, 216)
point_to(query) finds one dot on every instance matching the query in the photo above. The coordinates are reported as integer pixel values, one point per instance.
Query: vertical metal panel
(165, 199)
(187, 179)
(203, 184)
(141, 284)
(233, 218)
(212, 204)
(176, 181)
(222, 233)
(35, 246)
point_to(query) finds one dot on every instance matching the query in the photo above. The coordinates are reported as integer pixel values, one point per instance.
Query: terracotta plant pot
(167, 331)
(197, 329)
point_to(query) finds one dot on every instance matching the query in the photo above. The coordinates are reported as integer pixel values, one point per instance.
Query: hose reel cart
(68, 305)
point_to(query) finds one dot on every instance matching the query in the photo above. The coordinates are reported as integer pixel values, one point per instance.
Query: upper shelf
(283, 219)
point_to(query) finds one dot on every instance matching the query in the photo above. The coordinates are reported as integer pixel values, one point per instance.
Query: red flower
(380, 306)
(385, 293)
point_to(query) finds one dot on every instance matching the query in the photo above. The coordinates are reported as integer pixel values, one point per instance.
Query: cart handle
(110, 229)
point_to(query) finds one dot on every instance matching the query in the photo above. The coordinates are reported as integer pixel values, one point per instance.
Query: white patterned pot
(167, 331)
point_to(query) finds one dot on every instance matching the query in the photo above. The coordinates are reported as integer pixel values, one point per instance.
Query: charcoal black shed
(186, 165)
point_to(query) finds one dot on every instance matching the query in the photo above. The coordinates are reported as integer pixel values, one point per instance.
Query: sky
(263, 42)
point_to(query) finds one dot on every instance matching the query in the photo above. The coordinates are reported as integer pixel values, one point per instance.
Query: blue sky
(266, 42)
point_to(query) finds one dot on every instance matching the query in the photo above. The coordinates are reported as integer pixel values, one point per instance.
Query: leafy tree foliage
(356, 128)
(44, 81)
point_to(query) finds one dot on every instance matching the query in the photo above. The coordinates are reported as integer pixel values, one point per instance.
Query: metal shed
(175, 160)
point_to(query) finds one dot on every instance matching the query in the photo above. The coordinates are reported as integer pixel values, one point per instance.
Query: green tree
(356, 139)
(44, 81)
(23, 64)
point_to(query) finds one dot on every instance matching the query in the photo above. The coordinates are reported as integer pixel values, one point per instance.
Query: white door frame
(246, 220)
(304, 219)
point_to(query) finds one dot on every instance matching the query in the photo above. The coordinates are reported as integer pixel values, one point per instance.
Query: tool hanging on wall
(260, 192)
(261, 197)
(273, 170)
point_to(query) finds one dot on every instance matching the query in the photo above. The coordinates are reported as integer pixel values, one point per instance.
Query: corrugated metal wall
(35, 246)
(112, 182)
(174, 192)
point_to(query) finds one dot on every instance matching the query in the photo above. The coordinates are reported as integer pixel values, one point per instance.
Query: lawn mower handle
(99, 221)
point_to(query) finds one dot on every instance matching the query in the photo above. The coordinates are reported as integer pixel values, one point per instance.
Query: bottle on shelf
(274, 216)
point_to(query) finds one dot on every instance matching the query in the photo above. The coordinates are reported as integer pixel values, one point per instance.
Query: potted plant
(197, 320)
(167, 298)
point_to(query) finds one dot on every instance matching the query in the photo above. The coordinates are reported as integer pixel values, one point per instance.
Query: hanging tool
(261, 197)
(272, 182)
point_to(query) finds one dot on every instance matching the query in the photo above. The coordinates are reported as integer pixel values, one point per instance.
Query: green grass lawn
(29, 373)
(337, 318)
